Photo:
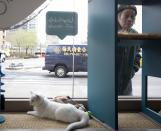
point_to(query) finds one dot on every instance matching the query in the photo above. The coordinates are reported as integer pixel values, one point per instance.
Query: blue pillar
(102, 80)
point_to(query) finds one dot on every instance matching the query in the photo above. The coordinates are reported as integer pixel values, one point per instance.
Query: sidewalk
(18, 64)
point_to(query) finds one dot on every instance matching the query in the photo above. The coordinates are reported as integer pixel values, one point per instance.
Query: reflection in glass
(127, 56)
(20, 81)
(153, 92)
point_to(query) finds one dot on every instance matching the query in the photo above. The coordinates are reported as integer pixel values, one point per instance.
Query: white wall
(138, 22)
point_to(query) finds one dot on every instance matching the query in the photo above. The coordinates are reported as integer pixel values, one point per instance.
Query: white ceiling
(16, 11)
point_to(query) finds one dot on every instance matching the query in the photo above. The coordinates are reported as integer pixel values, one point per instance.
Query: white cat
(45, 108)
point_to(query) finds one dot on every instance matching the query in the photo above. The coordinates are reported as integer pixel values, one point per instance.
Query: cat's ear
(32, 93)
(37, 96)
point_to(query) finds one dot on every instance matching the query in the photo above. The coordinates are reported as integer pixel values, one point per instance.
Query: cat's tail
(84, 121)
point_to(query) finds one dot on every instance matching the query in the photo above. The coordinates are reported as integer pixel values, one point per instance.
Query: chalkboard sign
(61, 23)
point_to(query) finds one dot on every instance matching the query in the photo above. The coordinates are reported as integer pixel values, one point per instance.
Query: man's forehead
(128, 11)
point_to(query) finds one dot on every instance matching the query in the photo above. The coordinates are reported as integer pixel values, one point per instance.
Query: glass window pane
(30, 46)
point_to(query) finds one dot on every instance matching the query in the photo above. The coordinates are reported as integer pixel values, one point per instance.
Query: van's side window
(49, 50)
(55, 50)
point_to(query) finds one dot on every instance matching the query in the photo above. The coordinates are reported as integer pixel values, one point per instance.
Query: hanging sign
(61, 23)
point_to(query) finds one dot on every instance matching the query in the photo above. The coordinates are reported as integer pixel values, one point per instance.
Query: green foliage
(23, 39)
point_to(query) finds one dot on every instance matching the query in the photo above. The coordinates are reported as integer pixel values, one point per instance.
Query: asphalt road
(19, 82)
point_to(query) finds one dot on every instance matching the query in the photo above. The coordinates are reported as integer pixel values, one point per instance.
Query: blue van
(62, 59)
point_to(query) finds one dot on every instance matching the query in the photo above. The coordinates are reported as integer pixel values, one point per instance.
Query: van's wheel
(60, 71)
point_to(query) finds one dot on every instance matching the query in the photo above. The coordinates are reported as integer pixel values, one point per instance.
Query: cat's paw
(29, 113)
(33, 113)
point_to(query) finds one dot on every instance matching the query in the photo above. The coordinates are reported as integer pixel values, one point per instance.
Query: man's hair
(123, 7)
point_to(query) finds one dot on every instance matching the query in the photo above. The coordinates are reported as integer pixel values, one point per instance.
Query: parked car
(62, 59)
(16, 66)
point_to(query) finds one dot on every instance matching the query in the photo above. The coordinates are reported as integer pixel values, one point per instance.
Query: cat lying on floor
(45, 108)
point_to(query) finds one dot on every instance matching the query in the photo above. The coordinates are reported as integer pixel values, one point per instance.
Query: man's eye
(132, 17)
(127, 16)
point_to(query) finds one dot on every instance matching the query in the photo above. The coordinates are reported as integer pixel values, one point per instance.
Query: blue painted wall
(102, 86)
(151, 23)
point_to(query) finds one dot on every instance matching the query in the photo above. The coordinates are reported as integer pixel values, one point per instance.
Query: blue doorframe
(102, 80)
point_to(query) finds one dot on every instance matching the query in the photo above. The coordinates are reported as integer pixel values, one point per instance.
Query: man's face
(126, 19)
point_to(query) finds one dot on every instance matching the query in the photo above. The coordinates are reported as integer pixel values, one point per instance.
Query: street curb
(19, 68)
